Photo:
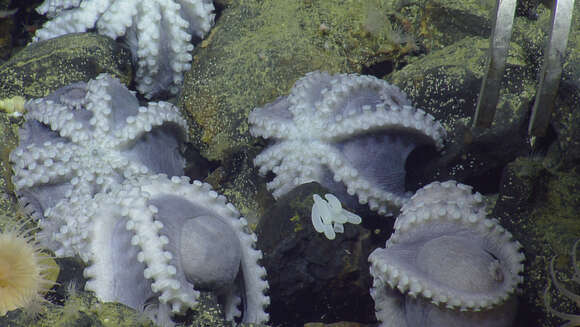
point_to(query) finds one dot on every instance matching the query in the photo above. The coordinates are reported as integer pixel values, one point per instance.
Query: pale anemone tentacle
(328, 216)
(27, 273)
(13, 106)
(158, 32)
(572, 319)
(446, 260)
(325, 129)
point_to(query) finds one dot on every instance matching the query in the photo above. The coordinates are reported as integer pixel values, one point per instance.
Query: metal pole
(554, 57)
(499, 44)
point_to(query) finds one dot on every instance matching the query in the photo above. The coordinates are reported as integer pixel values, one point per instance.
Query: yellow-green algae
(557, 221)
(297, 225)
(558, 215)
(553, 215)
(445, 72)
(83, 309)
(544, 218)
(80, 309)
(258, 49)
(42, 67)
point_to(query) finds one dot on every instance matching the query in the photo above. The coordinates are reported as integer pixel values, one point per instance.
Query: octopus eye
(496, 272)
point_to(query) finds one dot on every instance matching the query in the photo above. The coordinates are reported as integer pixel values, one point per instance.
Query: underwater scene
(290, 163)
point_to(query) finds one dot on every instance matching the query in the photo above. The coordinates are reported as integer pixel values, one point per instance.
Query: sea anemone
(328, 216)
(26, 273)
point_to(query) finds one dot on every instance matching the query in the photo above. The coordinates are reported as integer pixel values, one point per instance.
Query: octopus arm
(115, 21)
(252, 286)
(77, 20)
(199, 14)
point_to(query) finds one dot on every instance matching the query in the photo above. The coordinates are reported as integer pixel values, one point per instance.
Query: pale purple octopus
(85, 137)
(446, 264)
(158, 33)
(351, 133)
(92, 167)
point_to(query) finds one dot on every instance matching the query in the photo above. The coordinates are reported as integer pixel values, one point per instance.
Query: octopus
(86, 137)
(446, 264)
(103, 177)
(159, 33)
(153, 243)
(350, 133)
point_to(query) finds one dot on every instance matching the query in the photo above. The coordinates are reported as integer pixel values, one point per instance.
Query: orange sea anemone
(26, 273)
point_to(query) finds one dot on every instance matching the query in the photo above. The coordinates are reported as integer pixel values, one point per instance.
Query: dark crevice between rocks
(196, 166)
(379, 69)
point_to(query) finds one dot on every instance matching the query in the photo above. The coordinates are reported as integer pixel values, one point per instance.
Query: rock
(8, 140)
(540, 206)
(447, 82)
(566, 115)
(456, 19)
(237, 179)
(258, 49)
(311, 277)
(6, 30)
(42, 67)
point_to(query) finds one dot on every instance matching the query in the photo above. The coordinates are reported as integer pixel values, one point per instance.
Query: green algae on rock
(42, 67)
(254, 54)
(258, 49)
(540, 206)
(8, 141)
(447, 81)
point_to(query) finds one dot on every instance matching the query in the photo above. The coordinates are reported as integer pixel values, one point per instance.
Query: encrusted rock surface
(43, 67)
(312, 278)
(540, 206)
(447, 82)
(258, 49)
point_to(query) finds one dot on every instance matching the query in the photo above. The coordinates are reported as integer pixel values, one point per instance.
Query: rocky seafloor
(435, 51)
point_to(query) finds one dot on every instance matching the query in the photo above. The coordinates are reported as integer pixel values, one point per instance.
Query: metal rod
(499, 44)
(554, 57)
